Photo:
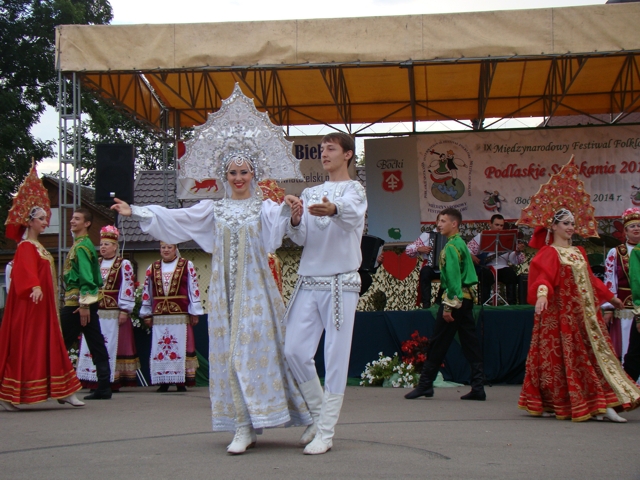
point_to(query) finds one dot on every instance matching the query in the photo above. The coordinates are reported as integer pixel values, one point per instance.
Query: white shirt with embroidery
(331, 243)
(127, 293)
(195, 305)
(611, 273)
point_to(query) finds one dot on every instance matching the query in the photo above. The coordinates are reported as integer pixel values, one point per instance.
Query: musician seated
(487, 263)
(429, 270)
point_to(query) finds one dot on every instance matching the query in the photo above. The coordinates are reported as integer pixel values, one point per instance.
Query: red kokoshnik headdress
(563, 190)
(31, 193)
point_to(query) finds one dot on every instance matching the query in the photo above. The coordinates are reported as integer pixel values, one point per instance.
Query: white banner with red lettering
(482, 173)
(411, 179)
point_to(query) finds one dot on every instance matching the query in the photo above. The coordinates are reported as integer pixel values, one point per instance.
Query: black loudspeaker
(114, 172)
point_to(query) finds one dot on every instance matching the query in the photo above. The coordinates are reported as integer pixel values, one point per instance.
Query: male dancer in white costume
(328, 221)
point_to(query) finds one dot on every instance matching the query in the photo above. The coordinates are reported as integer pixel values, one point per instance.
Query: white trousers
(309, 315)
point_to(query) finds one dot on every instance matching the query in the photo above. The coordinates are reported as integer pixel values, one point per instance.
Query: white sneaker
(244, 438)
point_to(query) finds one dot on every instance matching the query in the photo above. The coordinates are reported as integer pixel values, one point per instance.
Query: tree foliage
(28, 79)
(104, 124)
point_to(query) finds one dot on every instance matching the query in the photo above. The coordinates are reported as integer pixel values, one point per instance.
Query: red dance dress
(34, 363)
(572, 370)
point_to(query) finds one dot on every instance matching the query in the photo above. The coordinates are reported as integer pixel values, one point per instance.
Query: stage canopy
(464, 66)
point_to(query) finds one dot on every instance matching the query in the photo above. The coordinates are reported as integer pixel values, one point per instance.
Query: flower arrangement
(73, 354)
(396, 372)
(414, 350)
(387, 371)
(135, 313)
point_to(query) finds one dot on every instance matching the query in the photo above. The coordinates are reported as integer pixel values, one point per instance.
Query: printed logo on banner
(493, 201)
(443, 167)
(392, 181)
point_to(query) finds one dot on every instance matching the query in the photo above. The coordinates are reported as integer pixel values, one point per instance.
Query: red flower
(415, 350)
(145, 296)
(173, 356)
(167, 340)
(160, 356)
(128, 292)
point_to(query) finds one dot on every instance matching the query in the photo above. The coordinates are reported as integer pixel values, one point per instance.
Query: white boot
(244, 438)
(611, 415)
(71, 400)
(9, 407)
(312, 394)
(323, 440)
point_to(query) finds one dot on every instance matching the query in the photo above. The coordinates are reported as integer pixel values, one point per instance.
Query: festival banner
(392, 189)
(497, 171)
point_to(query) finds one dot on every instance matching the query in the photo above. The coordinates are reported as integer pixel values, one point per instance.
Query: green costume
(457, 273)
(81, 272)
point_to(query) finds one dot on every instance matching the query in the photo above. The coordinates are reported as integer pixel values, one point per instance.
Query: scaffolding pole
(69, 158)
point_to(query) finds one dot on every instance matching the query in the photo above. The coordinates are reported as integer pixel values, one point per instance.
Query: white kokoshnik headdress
(239, 132)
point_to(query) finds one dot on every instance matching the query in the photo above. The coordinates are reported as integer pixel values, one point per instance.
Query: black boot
(477, 383)
(163, 388)
(103, 392)
(425, 384)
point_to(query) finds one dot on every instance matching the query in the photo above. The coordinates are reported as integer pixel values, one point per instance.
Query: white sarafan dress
(249, 381)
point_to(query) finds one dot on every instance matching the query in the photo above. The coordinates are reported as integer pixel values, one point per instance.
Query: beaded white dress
(249, 381)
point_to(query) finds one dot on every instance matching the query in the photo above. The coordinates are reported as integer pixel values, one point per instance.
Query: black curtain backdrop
(505, 334)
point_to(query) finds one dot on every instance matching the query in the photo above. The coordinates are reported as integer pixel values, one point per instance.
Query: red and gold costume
(34, 363)
(118, 296)
(572, 370)
(171, 294)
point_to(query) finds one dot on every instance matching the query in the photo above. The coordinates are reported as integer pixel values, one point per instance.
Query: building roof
(87, 196)
(150, 189)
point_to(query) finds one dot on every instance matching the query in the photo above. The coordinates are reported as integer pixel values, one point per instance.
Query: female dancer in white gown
(250, 384)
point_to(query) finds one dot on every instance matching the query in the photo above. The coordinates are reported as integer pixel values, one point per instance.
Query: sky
(204, 11)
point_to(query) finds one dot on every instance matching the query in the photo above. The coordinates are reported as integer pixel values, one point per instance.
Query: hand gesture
(85, 315)
(296, 209)
(616, 302)
(194, 319)
(541, 304)
(121, 207)
(122, 318)
(447, 316)
(424, 249)
(324, 209)
(36, 294)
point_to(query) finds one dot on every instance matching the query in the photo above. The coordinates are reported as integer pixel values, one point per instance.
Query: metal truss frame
(266, 87)
(69, 157)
